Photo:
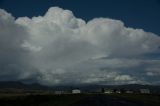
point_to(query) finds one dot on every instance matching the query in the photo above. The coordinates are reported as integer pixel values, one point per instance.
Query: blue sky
(144, 14)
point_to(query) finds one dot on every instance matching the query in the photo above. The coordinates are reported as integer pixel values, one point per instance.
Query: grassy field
(69, 99)
(40, 100)
(148, 99)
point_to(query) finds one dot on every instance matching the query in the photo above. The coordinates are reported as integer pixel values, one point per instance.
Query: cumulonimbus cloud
(59, 48)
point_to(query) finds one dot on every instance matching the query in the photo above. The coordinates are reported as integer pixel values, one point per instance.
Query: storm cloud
(59, 48)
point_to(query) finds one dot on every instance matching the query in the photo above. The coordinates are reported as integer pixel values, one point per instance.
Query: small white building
(129, 91)
(76, 91)
(118, 91)
(108, 91)
(145, 91)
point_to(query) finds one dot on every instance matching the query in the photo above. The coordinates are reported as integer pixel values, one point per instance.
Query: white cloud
(153, 71)
(123, 78)
(59, 48)
(30, 47)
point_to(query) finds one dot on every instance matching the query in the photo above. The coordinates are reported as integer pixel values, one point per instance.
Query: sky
(64, 42)
(134, 13)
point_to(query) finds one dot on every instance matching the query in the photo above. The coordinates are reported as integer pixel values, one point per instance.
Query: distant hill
(36, 86)
(134, 87)
(20, 85)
